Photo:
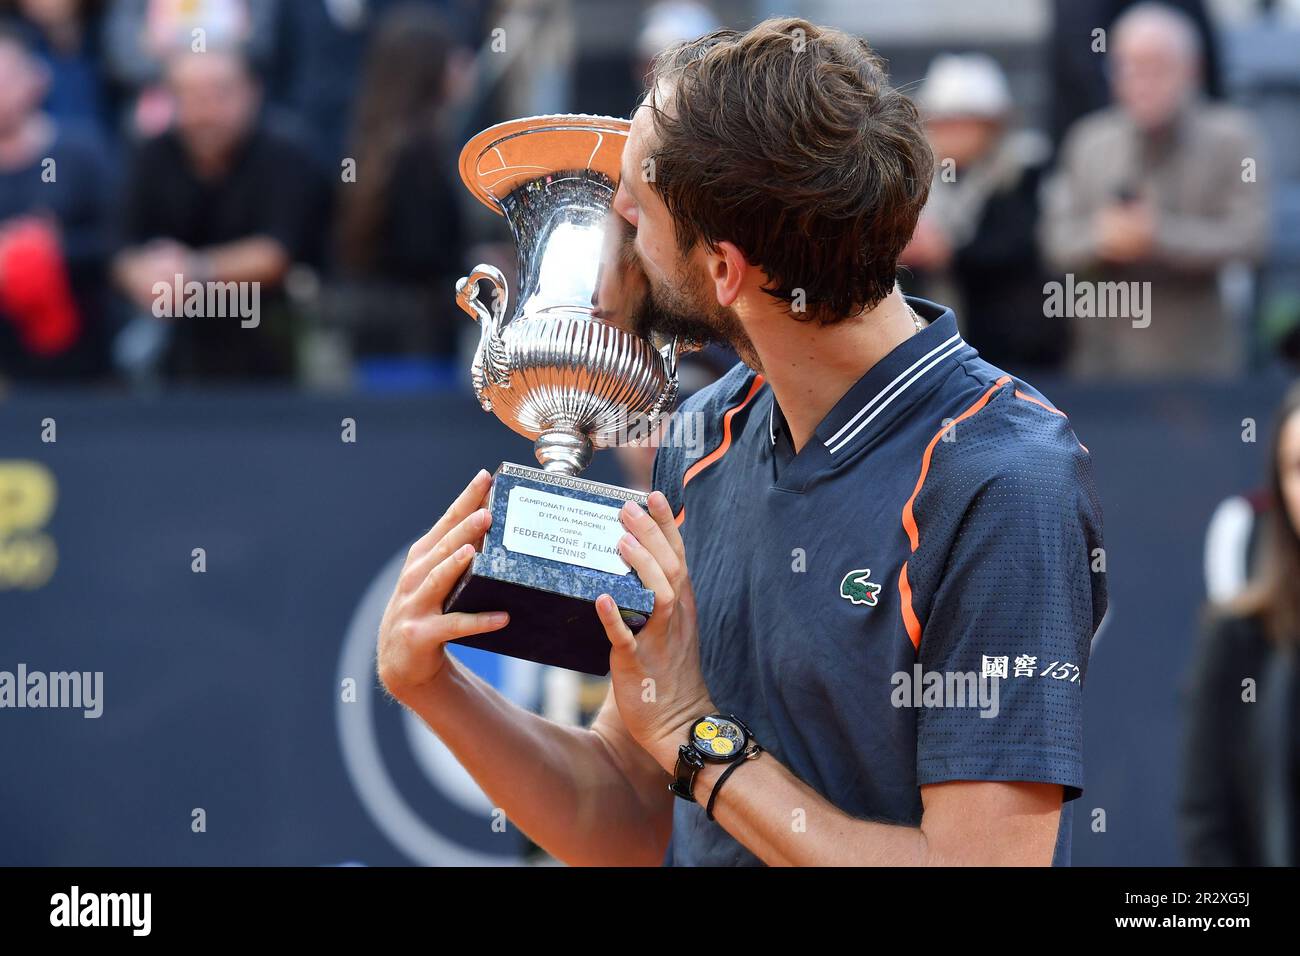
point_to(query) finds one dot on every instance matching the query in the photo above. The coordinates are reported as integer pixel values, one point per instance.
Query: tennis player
(875, 590)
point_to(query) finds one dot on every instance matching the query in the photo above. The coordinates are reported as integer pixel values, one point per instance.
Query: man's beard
(690, 312)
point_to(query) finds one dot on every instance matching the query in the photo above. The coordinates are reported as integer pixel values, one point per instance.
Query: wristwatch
(715, 738)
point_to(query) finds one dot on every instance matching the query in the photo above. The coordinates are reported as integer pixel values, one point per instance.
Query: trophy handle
(490, 358)
(669, 353)
(467, 297)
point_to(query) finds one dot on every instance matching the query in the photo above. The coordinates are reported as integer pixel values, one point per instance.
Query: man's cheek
(650, 258)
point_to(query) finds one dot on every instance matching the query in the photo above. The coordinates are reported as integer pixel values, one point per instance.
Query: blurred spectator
(53, 204)
(322, 46)
(1263, 58)
(141, 35)
(220, 198)
(1160, 188)
(667, 23)
(1076, 66)
(1240, 802)
(65, 35)
(400, 234)
(974, 247)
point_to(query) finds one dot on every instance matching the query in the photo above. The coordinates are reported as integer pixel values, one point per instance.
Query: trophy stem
(564, 451)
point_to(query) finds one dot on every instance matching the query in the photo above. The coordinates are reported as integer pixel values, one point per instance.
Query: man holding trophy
(879, 520)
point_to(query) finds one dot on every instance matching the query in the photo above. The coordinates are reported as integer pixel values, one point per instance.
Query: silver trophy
(567, 370)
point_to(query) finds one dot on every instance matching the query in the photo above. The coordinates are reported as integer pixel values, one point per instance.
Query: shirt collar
(886, 388)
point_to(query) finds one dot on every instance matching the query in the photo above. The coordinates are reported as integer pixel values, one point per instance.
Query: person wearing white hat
(975, 243)
(666, 23)
(965, 85)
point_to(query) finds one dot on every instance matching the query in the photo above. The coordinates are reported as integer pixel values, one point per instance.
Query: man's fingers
(662, 512)
(651, 537)
(460, 624)
(422, 636)
(648, 570)
(439, 582)
(469, 501)
(616, 629)
(469, 531)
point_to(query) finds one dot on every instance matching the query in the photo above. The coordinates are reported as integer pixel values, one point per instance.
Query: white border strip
(884, 391)
(867, 421)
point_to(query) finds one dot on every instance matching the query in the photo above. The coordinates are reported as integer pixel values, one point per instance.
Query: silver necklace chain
(916, 319)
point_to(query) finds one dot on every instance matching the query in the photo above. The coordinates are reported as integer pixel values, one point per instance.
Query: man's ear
(727, 269)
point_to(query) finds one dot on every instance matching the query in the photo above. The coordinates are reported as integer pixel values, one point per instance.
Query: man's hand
(414, 628)
(137, 270)
(655, 674)
(1126, 232)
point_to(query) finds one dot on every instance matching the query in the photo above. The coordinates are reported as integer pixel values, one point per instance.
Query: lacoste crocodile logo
(856, 589)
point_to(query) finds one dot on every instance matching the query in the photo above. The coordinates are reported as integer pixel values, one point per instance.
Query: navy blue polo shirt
(941, 525)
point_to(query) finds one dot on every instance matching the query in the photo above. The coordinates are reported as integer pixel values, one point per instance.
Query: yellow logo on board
(28, 555)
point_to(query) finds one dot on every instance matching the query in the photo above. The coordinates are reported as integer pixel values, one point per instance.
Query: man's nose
(623, 204)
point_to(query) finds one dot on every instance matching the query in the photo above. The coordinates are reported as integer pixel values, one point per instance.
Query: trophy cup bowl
(567, 370)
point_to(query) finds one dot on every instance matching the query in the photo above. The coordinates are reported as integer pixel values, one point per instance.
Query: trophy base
(550, 552)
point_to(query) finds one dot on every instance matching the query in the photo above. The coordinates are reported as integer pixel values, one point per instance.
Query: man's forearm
(560, 785)
(784, 822)
(256, 259)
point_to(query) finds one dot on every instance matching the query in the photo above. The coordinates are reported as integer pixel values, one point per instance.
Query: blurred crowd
(299, 149)
(309, 148)
(1151, 199)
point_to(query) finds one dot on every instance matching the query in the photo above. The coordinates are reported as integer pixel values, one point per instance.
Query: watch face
(718, 738)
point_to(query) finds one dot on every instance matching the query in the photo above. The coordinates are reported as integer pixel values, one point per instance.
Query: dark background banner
(223, 690)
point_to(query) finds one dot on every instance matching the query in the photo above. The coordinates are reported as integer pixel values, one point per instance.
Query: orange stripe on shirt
(721, 450)
(909, 616)
(1054, 411)
(910, 620)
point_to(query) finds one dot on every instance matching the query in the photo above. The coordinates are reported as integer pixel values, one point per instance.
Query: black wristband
(750, 755)
(689, 765)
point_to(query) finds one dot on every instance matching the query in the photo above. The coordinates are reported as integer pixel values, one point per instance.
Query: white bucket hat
(964, 85)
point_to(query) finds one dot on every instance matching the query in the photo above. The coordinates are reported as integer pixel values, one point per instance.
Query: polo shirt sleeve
(1016, 595)
(676, 451)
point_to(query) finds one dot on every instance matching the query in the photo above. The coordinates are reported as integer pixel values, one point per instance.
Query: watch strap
(750, 754)
(689, 764)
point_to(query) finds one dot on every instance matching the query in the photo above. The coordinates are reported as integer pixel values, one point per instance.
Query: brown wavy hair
(788, 141)
(1274, 592)
(402, 92)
